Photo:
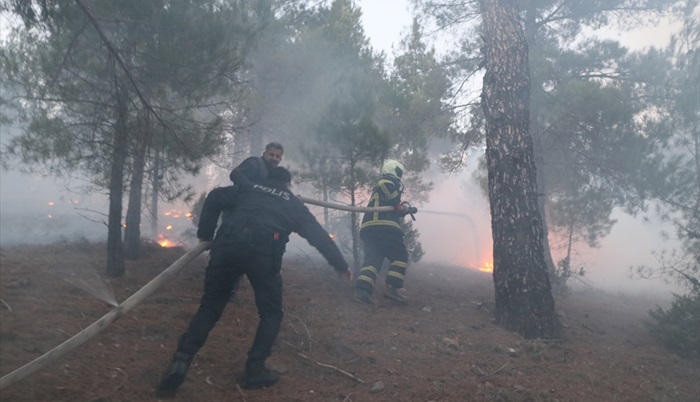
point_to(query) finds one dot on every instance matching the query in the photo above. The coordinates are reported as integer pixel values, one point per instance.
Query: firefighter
(250, 241)
(254, 170)
(382, 237)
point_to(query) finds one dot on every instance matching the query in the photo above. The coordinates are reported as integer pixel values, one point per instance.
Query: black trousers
(229, 259)
(381, 243)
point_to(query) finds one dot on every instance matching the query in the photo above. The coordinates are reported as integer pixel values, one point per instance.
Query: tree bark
(132, 233)
(155, 189)
(115, 248)
(524, 301)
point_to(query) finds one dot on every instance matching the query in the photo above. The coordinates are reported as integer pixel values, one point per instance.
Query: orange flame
(164, 241)
(331, 235)
(487, 267)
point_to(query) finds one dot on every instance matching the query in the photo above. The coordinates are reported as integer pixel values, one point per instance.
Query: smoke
(455, 225)
(42, 210)
(455, 229)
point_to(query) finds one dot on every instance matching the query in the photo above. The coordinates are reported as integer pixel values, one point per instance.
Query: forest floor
(442, 346)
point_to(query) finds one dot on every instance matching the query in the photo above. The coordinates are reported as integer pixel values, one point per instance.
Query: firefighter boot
(258, 376)
(175, 374)
(395, 294)
(363, 296)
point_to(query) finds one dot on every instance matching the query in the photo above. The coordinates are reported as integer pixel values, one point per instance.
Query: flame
(169, 227)
(189, 214)
(168, 213)
(51, 203)
(164, 241)
(50, 216)
(331, 235)
(487, 267)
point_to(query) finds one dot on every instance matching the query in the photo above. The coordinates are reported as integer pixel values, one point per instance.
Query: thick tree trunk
(524, 301)
(115, 250)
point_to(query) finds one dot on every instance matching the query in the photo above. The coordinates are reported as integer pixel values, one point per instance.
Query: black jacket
(268, 207)
(250, 171)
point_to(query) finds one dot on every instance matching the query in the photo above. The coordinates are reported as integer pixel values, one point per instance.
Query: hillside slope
(442, 346)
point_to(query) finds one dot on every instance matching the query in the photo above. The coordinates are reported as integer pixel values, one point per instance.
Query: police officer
(250, 241)
(254, 170)
(383, 238)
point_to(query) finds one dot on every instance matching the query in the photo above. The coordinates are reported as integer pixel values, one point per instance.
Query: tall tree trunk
(132, 233)
(536, 132)
(326, 218)
(155, 187)
(115, 251)
(524, 301)
(542, 204)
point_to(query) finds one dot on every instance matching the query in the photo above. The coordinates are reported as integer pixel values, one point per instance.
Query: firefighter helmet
(394, 168)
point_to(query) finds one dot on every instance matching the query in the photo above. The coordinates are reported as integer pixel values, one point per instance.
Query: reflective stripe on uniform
(395, 274)
(378, 222)
(387, 194)
(366, 279)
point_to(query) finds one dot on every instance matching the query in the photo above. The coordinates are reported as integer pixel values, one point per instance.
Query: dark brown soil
(442, 346)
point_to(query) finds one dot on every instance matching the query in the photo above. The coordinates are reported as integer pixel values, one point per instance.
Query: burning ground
(442, 346)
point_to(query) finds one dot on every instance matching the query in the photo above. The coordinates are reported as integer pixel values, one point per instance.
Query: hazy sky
(384, 21)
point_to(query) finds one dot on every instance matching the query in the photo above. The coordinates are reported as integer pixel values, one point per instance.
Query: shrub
(678, 328)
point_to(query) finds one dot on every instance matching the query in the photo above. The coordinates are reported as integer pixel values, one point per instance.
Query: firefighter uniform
(383, 238)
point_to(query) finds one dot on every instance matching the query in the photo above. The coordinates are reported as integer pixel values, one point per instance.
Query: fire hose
(82, 336)
(102, 323)
(344, 207)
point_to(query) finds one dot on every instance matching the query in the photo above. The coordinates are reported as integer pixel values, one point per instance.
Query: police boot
(175, 374)
(258, 376)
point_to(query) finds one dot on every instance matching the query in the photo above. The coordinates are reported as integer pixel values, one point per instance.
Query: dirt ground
(442, 346)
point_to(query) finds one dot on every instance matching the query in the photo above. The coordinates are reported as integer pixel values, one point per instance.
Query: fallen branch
(482, 374)
(308, 334)
(325, 365)
(240, 391)
(82, 336)
(6, 305)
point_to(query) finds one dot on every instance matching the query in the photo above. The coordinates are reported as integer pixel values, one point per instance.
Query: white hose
(82, 336)
(344, 207)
